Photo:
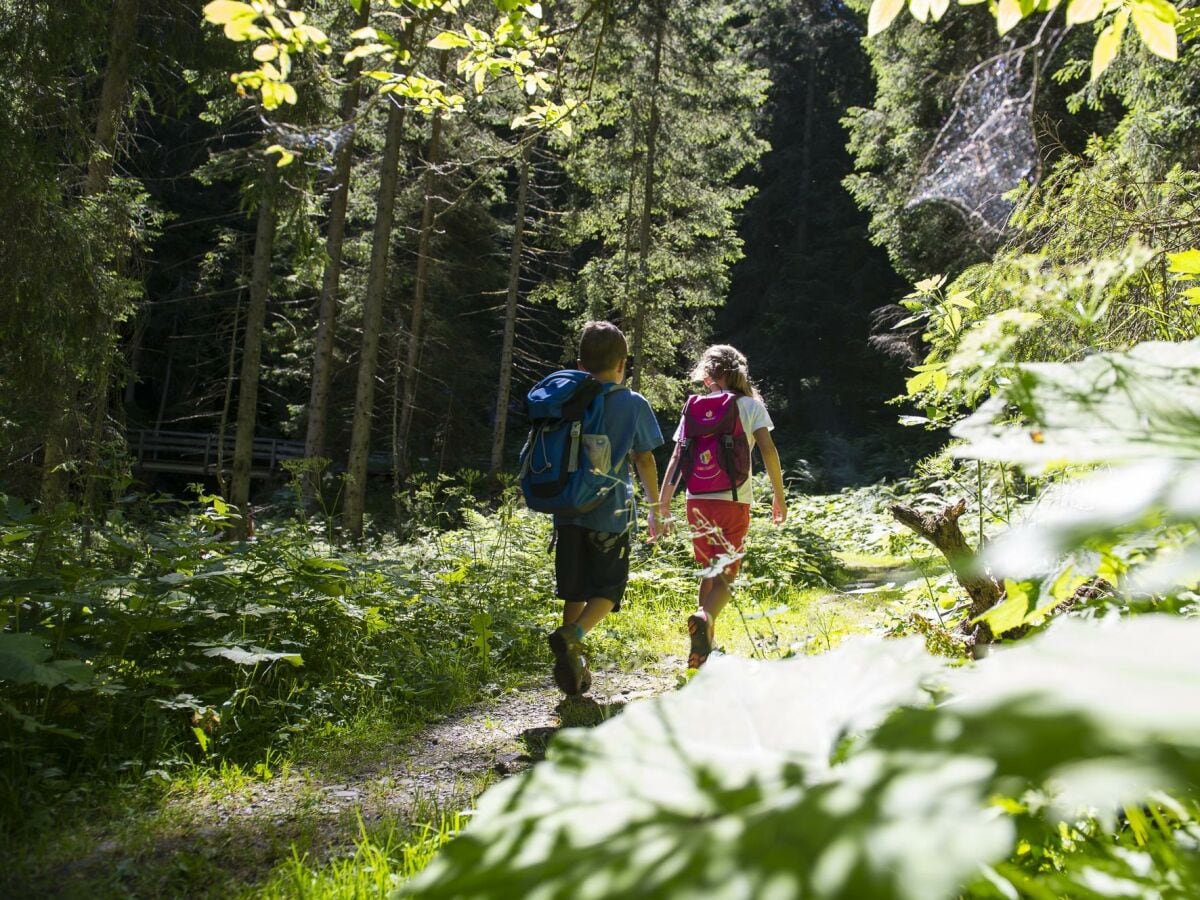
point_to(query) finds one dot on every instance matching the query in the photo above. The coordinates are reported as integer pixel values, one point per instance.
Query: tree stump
(942, 530)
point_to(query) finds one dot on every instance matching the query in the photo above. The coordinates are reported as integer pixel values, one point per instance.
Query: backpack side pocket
(599, 452)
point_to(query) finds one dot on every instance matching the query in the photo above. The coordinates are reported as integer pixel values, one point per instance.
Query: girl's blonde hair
(728, 365)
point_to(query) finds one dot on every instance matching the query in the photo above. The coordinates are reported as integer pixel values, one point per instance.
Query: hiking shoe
(570, 665)
(700, 629)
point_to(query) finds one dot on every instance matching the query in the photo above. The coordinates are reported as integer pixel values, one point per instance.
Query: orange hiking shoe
(700, 631)
(570, 665)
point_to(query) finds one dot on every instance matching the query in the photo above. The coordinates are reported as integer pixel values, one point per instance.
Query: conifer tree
(323, 338)
(668, 123)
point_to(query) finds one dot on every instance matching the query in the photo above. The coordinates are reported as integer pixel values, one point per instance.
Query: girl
(719, 519)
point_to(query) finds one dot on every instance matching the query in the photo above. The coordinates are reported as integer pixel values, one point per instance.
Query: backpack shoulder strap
(686, 452)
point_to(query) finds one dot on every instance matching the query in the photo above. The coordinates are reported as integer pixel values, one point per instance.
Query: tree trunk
(364, 399)
(421, 288)
(227, 400)
(166, 385)
(630, 233)
(256, 315)
(318, 403)
(644, 299)
(122, 34)
(941, 529)
(55, 453)
(510, 314)
(397, 389)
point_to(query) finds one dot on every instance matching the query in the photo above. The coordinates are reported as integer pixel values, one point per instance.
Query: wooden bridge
(197, 453)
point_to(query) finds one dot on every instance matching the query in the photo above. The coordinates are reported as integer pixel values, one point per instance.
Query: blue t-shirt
(631, 427)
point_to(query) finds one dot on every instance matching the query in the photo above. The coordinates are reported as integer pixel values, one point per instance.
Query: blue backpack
(566, 463)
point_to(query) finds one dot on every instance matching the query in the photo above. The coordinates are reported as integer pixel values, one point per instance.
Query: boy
(591, 556)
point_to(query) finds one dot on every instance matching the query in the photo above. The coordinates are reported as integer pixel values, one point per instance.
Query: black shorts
(590, 564)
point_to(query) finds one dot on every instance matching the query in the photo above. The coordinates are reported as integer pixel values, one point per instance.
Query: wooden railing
(196, 453)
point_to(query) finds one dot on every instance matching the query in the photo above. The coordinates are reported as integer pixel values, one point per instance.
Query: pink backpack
(715, 453)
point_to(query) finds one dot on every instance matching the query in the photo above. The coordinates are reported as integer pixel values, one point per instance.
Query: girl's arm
(770, 458)
(668, 490)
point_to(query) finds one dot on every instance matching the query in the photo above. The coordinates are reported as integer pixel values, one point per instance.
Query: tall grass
(385, 854)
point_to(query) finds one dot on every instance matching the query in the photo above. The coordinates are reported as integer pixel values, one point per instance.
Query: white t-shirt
(754, 416)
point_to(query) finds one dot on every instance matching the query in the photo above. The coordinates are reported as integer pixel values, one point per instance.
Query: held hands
(658, 522)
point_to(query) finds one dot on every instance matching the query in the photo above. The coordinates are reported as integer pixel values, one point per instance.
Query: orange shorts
(718, 529)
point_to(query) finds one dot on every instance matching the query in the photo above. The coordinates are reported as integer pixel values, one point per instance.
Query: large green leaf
(1107, 408)
(647, 795)
(882, 14)
(1139, 410)
(1103, 504)
(1109, 43)
(24, 659)
(21, 660)
(1055, 708)
(1155, 21)
(24, 587)
(253, 656)
(237, 18)
(1080, 11)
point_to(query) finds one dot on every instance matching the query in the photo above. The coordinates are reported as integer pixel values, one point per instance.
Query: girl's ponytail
(726, 364)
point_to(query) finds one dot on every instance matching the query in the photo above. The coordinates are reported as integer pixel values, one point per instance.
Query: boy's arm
(770, 458)
(647, 469)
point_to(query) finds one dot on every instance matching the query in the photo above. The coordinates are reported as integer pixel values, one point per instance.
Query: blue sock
(578, 632)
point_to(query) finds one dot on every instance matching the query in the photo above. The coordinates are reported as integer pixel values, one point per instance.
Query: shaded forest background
(130, 302)
(756, 173)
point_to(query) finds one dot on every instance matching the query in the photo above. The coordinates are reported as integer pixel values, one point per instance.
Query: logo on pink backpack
(716, 455)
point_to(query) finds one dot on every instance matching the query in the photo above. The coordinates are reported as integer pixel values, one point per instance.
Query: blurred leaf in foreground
(782, 795)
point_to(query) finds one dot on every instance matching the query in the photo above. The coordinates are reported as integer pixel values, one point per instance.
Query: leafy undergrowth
(302, 698)
(1064, 766)
(210, 698)
(158, 648)
(384, 856)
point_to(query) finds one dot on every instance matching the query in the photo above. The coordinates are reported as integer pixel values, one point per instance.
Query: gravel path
(497, 737)
(249, 828)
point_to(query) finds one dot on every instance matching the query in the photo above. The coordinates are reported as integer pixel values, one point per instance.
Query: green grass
(857, 562)
(768, 623)
(648, 626)
(385, 854)
(368, 740)
(764, 620)
(189, 837)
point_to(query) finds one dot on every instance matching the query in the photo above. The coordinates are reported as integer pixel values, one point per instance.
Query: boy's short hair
(602, 346)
